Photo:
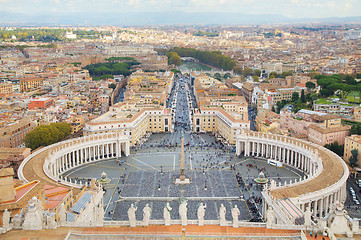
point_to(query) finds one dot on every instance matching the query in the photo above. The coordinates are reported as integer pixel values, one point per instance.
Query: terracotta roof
(330, 129)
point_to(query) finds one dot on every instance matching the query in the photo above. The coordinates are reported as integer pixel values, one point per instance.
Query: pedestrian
(311, 233)
(315, 235)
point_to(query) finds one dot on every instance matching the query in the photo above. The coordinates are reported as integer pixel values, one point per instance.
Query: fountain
(104, 180)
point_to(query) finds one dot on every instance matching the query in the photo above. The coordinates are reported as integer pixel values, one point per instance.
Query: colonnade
(77, 152)
(302, 155)
(279, 151)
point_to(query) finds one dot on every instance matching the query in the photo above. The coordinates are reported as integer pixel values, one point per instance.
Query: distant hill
(159, 18)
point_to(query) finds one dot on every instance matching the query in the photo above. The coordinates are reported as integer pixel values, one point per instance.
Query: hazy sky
(289, 8)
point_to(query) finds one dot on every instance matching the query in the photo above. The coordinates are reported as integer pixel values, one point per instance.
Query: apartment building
(30, 83)
(320, 128)
(352, 142)
(219, 109)
(40, 103)
(12, 136)
(6, 88)
(131, 120)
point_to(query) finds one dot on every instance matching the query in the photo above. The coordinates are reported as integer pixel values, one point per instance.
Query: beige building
(328, 130)
(219, 109)
(132, 121)
(352, 142)
(11, 136)
(6, 88)
(357, 114)
(29, 83)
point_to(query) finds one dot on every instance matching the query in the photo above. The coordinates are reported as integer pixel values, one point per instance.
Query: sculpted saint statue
(222, 215)
(235, 214)
(131, 215)
(146, 214)
(166, 214)
(183, 213)
(201, 212)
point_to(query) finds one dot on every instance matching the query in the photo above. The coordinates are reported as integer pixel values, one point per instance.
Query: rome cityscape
(180, 120)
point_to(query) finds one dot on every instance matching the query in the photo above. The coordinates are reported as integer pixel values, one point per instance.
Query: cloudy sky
(148, 12)
(288, 8)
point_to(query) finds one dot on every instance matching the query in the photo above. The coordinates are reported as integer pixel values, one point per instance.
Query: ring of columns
(325, 178)
(64, 156)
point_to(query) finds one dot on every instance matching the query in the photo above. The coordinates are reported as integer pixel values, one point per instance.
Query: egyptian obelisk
(182, 176)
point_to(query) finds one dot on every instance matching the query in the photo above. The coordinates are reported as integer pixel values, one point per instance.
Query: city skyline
(142, 12)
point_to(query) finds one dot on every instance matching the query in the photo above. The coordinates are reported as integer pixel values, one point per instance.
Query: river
(193, 66)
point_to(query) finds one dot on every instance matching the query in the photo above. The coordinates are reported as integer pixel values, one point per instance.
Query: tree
(175, 71)
(255, 78)
(303, 98)
(174, 58)
(353, 158)
(112, 85)
(247, 72)
(285, 74)
(45, 135)
(355, 129)
(257, 72)
(335, 147)
(310, 85)
(295, 96)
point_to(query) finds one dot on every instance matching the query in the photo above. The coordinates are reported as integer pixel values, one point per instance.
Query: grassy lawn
(322, 101)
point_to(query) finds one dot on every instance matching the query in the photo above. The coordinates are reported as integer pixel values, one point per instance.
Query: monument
(201, 212)
(33, 219)
(6, 219)
(166, 214)
(235, 214)
(183, 213)
(146, 214)
(222, 216)
(131, 216)
(182, 179)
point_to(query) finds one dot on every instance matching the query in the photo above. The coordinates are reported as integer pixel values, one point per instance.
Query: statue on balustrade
(222, 215)
(166, 214)
(6, 220)
(131, 215)
(146, 214)
(183, 213)
(33, 218)
(270, 217)
(235, 214)
(201, 212)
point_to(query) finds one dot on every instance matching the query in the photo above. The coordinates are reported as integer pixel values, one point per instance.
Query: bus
(274, 163)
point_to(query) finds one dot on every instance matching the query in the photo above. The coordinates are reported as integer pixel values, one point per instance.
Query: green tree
(174, 58)
(112, 85)
(353, 158)
(255, 78)
(303, 98)
(335, 147)
(295, 96)
(175, 71)
(285, 74)
(45, 135)
(247, 72)
(310, 86)
(257, 72)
